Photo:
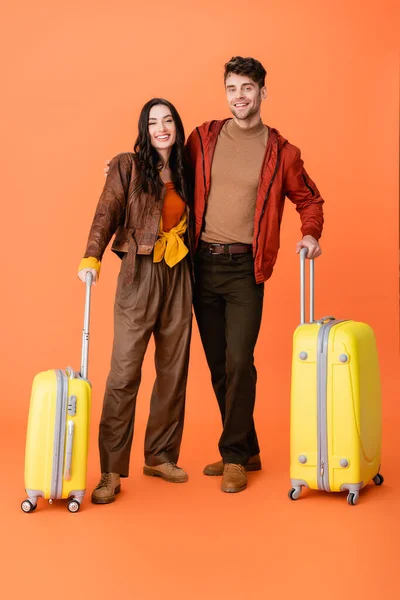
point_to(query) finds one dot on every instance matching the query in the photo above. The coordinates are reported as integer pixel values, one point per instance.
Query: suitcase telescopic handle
(303, 254)
(86, 322)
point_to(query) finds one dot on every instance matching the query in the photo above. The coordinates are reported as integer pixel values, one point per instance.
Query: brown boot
(168, 471)
(217, 468)
(107, 489)
(234, 478)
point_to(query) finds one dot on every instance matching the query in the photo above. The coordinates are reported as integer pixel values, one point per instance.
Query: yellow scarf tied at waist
(170, 245)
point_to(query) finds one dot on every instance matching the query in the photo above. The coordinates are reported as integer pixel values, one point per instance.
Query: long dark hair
(148, 159)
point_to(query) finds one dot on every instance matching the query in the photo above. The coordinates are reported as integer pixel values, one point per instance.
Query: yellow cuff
(90, 263)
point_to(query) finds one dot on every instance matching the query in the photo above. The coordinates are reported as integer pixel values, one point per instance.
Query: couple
(198, 223)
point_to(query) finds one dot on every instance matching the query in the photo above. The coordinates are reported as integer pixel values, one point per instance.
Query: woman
(145, 201)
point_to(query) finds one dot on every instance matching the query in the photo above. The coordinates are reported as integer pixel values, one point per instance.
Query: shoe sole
(254, 467)
(233, 491)
(152, 473)
(108, 500)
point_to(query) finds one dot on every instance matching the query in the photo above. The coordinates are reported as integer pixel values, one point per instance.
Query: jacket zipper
(308, 186)
(190, 243)
(204, 178)
(159, 220)
(265, 202)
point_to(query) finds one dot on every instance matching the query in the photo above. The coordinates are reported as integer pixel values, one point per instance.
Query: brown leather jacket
(124, 209)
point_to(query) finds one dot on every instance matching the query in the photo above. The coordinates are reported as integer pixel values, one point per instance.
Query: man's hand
(309, 242)
(107, 167)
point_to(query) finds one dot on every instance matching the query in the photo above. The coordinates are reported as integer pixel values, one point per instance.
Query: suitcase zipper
(59, 435)
(322, 381)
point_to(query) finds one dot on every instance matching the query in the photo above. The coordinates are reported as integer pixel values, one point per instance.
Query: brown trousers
(158, 302)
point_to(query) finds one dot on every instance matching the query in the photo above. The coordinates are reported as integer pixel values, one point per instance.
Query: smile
(162, 138)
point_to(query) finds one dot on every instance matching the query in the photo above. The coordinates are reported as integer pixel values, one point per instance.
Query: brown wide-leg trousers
(158, 301)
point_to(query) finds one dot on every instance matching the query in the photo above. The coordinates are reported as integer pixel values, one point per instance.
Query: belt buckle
(213, 249)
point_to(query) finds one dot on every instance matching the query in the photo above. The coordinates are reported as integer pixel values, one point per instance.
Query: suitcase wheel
(73, 505)
(294, 493)
(352, 498)
(27, 506)
(378, 479)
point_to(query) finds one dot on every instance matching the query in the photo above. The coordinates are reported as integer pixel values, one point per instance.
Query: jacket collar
(210, 131)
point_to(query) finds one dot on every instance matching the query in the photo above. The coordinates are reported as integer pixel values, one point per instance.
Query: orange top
(173, 207)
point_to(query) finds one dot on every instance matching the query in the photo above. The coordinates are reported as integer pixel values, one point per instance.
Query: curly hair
(148, 159)
(246, 66)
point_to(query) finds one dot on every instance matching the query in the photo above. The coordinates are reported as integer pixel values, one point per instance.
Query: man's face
(244, 96)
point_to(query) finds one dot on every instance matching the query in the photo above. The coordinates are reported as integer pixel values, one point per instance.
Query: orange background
(74, 77)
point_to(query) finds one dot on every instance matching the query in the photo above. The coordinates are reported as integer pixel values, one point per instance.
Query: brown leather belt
(226, 248)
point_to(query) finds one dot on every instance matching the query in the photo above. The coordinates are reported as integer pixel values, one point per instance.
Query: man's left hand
(309, 242)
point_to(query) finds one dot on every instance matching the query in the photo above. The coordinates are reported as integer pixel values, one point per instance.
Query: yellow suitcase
(58, 431)
(335, 412)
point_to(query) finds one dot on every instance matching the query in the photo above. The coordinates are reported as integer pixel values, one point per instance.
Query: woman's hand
(82, 275)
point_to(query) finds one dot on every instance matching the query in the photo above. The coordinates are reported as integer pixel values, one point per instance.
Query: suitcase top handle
(85, 332)
(303, 254)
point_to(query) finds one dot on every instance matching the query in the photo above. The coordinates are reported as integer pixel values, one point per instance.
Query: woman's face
(162, 128)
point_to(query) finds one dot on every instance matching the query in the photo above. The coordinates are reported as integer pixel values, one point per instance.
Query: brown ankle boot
(217, 468)
(234, 478)
(168, 471)
(107, 488)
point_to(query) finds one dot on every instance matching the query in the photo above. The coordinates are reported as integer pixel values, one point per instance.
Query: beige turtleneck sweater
(235, 174)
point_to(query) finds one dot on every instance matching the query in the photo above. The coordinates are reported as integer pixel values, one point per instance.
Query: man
(243, 171)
